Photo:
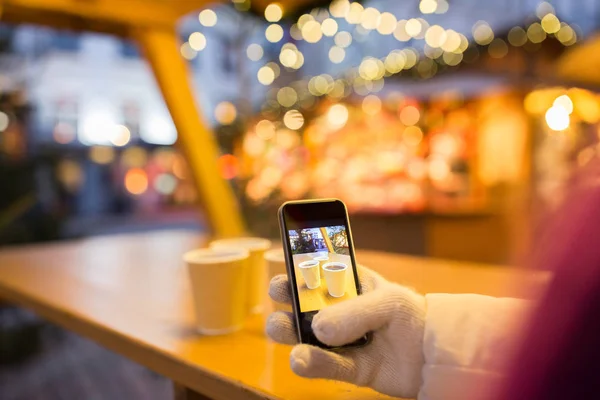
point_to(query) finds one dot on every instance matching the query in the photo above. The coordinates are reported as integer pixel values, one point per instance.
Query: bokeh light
(409, 115)
(498, 48)
(208, 17)
(412, 135)
(400, 31)
(387, 23)
(565, 102)
(265, 129)
(293, 119)
(550, 23)
(566, 35)
(336, 54)
(339, 8)
(428, 6)
(343, 39)
(228, 165)
(452, 41)
(70, 174)
(165, 184)
(337, 116)
(413, 27)
(197, 41)
(452, 59)
(225, 113)
(136, 181)
(274, 33)
(311, 31)
(517, 36)
(557, 118)
(438, 169)
(273, 12)
(535, 33)
(442, 7)
(543, 9)
(187, 52)
(255, 52)
(102, 154)
(354, 13)
(395, 61)
(329, 27)
(287, 96)
(371, 105)
(62, 133)
(266, 75)
(288, 56)
(435, 36)
(134, 157)
(121, 136)
(295, 32)
(370, 18)
(4, 121)
(482, 33)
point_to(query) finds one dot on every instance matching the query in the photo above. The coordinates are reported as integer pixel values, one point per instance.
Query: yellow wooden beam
(139, 13)
(161, 47)
(328, 243)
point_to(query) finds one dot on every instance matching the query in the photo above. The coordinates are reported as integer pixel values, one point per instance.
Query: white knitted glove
(390, 364)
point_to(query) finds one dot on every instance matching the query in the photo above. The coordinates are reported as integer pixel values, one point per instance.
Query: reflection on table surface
(130, 293)
(316, 299)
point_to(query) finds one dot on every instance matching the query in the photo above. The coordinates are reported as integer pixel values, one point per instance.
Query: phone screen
(320, 260)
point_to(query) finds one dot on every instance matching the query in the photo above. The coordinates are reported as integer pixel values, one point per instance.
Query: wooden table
(129, 293)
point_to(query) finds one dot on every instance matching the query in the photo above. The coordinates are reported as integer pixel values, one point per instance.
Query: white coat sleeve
(468, 341)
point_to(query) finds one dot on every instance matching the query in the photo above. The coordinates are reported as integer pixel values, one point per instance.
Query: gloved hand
(390, 364)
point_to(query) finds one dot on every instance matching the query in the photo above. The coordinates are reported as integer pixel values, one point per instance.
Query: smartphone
(320, 261)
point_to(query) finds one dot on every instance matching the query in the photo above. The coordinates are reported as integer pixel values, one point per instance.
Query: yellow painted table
(130, 294)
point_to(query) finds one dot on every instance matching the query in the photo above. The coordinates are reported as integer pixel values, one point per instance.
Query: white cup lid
(276, 255)
(335, 264)
(212, 256)
(248, 243)
(308, 264)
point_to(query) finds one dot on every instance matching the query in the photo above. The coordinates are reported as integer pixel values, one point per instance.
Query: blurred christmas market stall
(441, 125)
(431, 142)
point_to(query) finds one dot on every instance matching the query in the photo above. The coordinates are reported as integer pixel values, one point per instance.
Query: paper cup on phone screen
(310, 273)
(335, 277)
(322, 259)
(275, 266)
(219, 288)
(257, 270)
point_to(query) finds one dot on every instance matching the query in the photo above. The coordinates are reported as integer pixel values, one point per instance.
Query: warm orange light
(136, 181)
(179, 167)
(410, 115)
(228, 165)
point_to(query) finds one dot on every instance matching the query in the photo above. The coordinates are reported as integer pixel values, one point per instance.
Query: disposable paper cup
(310, 273)
(257, 269)
(275, 266)
(219, 289)
(322, 259)
(335, 277)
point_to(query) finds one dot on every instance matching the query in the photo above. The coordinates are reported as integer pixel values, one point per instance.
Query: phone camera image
(322, 266)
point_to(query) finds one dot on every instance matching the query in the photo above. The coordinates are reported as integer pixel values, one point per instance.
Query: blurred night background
(448, 127)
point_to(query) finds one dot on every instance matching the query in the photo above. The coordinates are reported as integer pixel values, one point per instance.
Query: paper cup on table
(335, 277)
(219, 288)
(310, 273)
(322, 259)
(275, 266)
(257, 270)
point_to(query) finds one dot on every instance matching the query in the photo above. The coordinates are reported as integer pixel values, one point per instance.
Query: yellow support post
(161, 47)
